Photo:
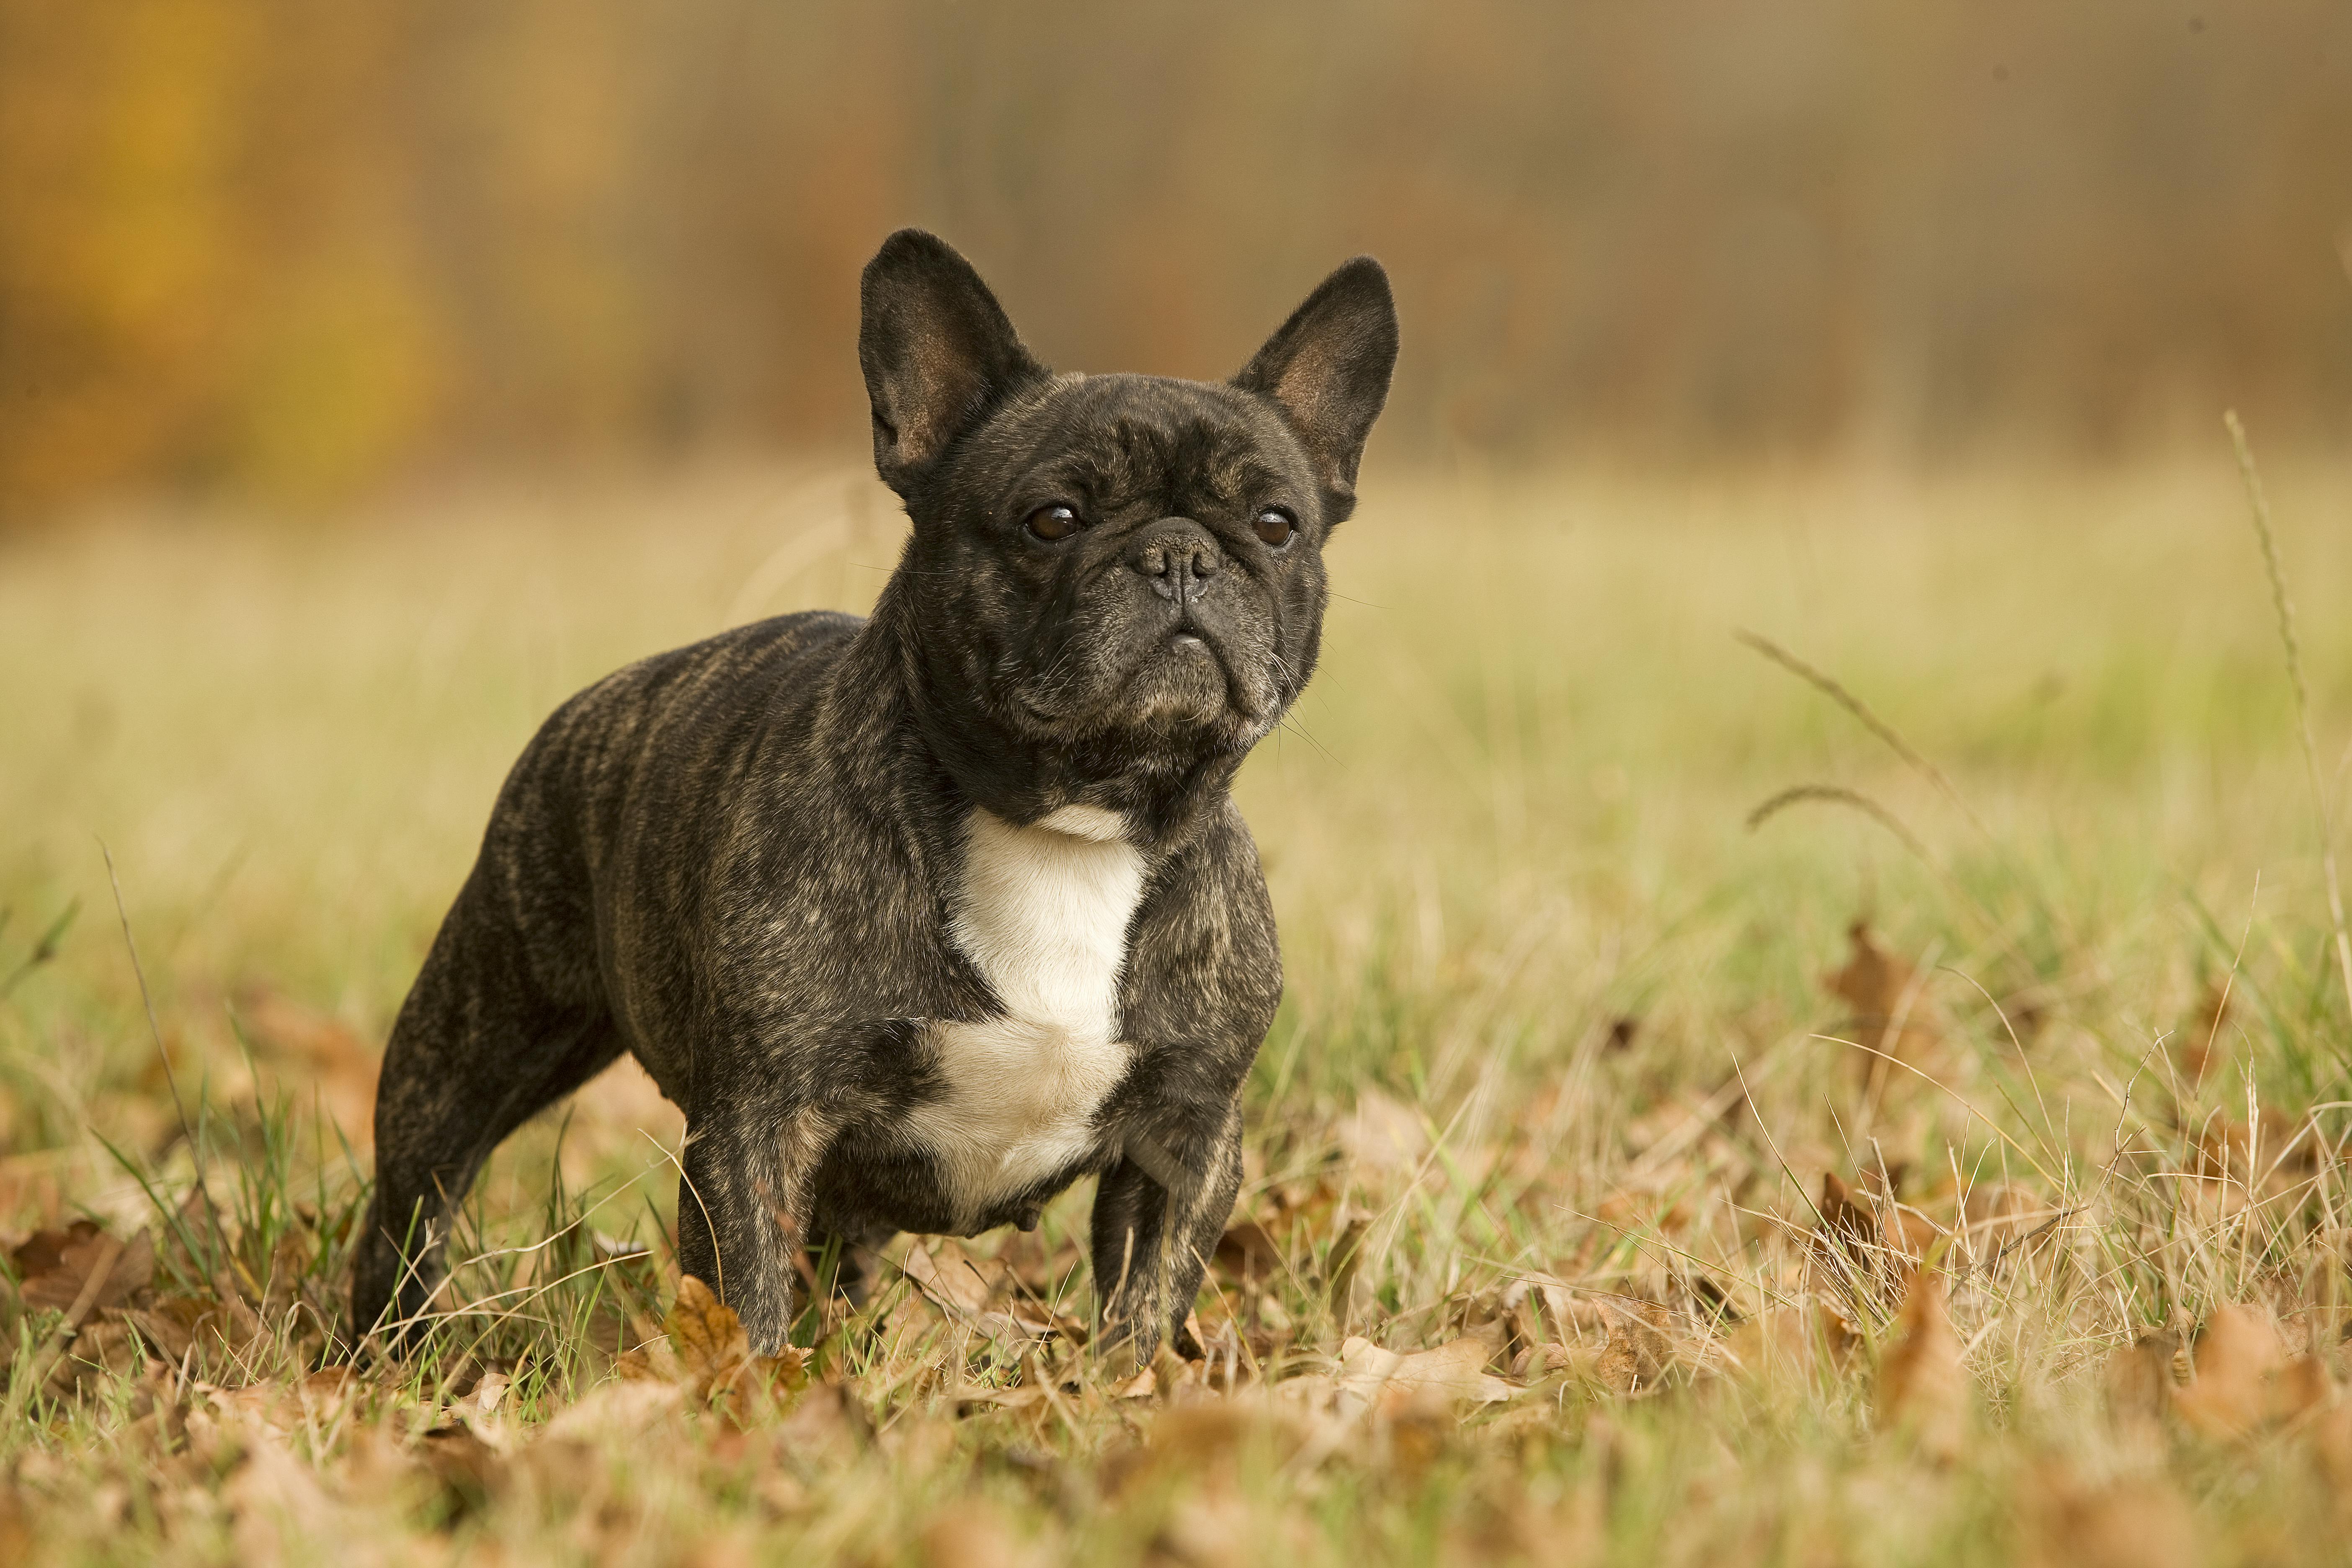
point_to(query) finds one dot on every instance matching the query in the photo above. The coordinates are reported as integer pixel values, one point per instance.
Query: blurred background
(291, 252)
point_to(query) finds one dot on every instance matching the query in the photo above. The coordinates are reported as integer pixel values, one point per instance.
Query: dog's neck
(1166, 788)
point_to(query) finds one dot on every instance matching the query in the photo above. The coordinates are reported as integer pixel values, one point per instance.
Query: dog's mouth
(1182, 678)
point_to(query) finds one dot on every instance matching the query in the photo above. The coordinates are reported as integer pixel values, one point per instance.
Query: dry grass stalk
(2259, 505)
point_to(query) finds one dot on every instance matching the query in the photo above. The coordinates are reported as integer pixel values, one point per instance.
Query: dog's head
(1118, 574)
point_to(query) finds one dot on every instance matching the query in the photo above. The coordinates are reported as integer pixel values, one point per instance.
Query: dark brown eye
(1055, 522)
(1275, 526)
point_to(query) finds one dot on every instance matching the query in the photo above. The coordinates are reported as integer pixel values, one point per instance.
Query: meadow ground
(1947, 1168)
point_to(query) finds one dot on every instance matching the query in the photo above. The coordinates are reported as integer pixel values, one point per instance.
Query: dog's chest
(1042, 913)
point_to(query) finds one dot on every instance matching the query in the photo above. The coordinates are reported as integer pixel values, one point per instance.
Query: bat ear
(938, 352)
(1328, 367)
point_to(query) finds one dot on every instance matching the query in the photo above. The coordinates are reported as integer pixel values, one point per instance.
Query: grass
(1558, 1072)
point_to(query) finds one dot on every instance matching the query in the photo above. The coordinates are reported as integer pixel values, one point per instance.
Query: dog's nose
(1177, 559)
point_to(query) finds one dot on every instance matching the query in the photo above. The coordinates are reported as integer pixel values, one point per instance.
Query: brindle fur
(738, 860)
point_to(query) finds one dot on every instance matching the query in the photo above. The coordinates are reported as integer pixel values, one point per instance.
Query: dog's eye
(1055, 522)
(1275, 526)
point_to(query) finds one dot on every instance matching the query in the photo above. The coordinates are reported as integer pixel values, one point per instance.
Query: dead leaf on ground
(2132, 1523)
(1638, 1352)
(1889, 1014)
(713, 1354)
(972, 1532)
(2265, 1157)
(1996, 1213)
(1791, 1339)
(1868, 1247)
(712, 1349)
(1923, 1389)
(2235, 1356)
(1382, 1134)
(335, 1062)
(81, 1269)
(955, 1279)
(2139, 1380)
(2197, 1045)
(1452, 1373)
(1247, 1254)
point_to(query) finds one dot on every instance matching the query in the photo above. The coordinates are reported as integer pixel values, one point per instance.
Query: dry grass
(1624, 1182)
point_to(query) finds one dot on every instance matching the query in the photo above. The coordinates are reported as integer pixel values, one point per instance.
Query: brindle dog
(922, 918)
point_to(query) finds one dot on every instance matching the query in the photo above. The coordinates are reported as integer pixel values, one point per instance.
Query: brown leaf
(2125, 1524)
(1783, 1340)
(2300, 1388)
(2230, 1396)
(2266, 1156)
(2139, 1379)
(1638, 1352)
(2198, 1045)
(1383, 1133)
(1999, 1213)
(1246, 1253)
(1454, 1372)
(1873, 981)
(972, 1532)
(954, 1279)
(1868, 1247)
(1888, 1009)
(1923, 1389)
(713, 1352)
(81, 1269)
(2330, 1439)
(335, 1060)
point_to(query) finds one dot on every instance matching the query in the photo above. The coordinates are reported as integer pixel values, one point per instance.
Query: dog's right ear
(938, 352)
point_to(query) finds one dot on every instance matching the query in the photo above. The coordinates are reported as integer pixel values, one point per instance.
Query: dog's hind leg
(481, 1045)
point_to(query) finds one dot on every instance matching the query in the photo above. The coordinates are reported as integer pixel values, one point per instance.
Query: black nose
(1177, 559)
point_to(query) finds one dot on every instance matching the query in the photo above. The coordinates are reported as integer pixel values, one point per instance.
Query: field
(1946, 1167)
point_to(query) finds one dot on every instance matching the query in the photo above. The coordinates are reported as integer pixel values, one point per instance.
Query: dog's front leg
(1157, 1218)
(743, 1207)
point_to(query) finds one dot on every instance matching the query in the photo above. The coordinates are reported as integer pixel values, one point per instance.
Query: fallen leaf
(1923, 1389)
(2300, 1388)
(1791, 1339)
(1868, 1247)
(1454, 1372)
(1638, 1352)
(953, 1279)
(1383, 1133)
(1247, 1254)
(2139, 1523)
(1888, 1010)
(2329, 1438)
(712, 1349)
(1999, 1213)
(623, 1409)
(2230, 1395)
(2265, 1156)
(335, 1062)
(81, 1269)
(2139, 1379)
(2198, 1045)
(972, 1533)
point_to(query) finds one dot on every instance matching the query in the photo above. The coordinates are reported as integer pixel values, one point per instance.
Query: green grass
(1510, 818)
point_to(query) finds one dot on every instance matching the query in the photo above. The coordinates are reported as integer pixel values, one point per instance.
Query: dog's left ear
(1327, 369)
(938, 353)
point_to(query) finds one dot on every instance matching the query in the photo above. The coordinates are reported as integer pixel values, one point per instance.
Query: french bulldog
(922, 918)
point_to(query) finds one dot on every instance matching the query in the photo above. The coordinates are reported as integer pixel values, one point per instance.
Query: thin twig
(2261, 506)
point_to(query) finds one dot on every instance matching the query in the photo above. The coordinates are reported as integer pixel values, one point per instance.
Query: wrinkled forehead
(1117, 437)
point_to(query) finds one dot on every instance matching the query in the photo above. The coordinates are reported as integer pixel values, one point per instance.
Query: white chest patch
(1042, 912)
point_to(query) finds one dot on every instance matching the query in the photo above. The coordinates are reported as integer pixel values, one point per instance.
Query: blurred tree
(292, 250)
